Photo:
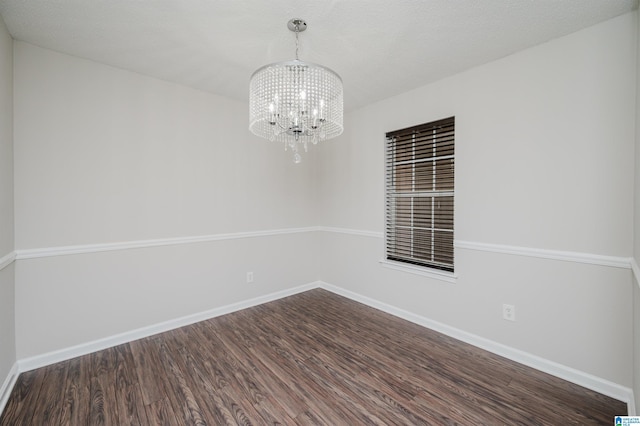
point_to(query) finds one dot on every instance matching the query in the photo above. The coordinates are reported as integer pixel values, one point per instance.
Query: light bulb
(272, 114)
(297, 158)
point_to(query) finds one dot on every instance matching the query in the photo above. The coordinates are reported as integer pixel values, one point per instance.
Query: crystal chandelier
(295, 102)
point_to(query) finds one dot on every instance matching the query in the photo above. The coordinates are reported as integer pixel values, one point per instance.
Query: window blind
(420, 194)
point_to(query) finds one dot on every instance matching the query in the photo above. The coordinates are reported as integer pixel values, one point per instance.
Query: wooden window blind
(420, 193)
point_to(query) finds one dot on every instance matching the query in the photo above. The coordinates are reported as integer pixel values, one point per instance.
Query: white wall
(105, 156)
(7, 325)
(70, 300)
(544, 160)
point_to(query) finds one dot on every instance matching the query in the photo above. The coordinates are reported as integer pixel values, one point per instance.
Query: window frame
(412, 246)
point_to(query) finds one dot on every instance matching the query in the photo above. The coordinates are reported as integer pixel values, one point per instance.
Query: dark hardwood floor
(312, 358)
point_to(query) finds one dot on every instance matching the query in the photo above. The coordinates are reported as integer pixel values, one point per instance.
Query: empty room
(295, 212)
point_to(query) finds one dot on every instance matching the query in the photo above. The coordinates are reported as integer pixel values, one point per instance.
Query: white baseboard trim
(126, 245)
(7, 260)
(569, 374)
(7, 386)
(129, 336)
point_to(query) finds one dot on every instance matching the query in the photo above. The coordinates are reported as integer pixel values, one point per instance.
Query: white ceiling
(379, 47)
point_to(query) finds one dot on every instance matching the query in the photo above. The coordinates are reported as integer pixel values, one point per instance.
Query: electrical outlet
(249, 277)
(508, 312)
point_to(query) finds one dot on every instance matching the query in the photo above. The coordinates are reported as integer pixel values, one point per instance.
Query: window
(419, 194)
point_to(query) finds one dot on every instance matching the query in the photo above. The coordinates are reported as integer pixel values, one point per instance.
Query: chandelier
(295, 102)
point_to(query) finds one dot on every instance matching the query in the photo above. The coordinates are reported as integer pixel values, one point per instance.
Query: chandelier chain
(297, 32)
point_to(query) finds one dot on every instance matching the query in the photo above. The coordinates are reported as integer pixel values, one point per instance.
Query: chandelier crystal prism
(296, 103)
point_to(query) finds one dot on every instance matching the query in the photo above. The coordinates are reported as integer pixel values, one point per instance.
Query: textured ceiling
(379, 47)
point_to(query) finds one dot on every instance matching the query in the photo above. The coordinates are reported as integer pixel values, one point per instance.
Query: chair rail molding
(349, 231)
(567, 256)
(126, 245)
(7, 260)
(563, 255)
(636, 270)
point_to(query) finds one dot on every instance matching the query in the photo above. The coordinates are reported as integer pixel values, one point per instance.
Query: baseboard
(569, 374)
(7, 386)
(558, 370)
(129, 336)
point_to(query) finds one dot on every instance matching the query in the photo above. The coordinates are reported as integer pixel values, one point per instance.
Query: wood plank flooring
(313, 358)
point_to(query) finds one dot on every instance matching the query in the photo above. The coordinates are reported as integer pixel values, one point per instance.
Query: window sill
(418, 270)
